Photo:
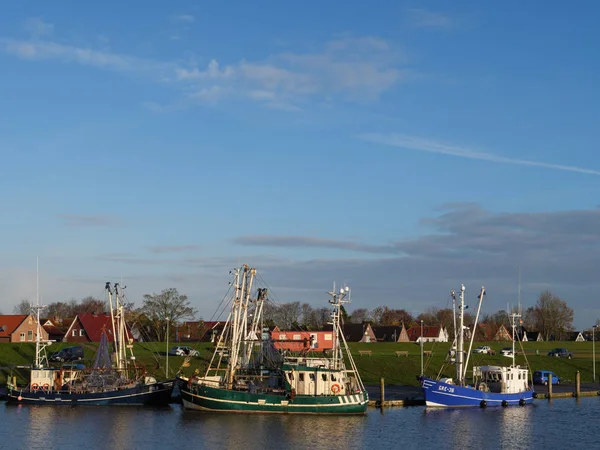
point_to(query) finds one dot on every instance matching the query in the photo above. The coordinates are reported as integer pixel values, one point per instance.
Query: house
(427, 333)
(576, 336)
(403, 336)
(487, 332)
(356, 332)
(387, 333)
(20, 328)
(88, 327)
(532, 336)
(298, 341)
(54, 329)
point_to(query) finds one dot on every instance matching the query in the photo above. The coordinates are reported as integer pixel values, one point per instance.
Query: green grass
(383, 361)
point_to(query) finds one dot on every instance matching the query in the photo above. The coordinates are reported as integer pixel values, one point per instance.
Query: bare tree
(553, 316)
(359, 315)
(23, 307)
(168, 306)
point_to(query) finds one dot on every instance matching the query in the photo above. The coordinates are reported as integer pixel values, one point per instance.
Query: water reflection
(235, 431)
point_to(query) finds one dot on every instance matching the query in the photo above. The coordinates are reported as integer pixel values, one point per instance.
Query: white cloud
(37, 27)
(350, 68)
(431, 146)
(42, 50)
(429, 19)
(188, 18)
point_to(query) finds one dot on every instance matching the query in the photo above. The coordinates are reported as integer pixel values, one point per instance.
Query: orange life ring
(35, 386)
(46, 387)
(335, 388)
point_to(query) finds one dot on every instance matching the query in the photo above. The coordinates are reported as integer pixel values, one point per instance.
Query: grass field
(383, 361)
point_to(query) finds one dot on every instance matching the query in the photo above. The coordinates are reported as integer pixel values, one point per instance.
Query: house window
(297, 337)
(282, 337)
(74, 332)
(328, 337)
(81, 332)
(22, 337)
(30, 335)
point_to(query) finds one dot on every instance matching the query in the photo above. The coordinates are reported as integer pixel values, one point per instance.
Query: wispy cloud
(429, 19)
(174, 248)
(310, 242)
(37, 27)
(353, 68)
(44, 50)
(82, 220)
(431, 146)
(349, 68)
(188, 18)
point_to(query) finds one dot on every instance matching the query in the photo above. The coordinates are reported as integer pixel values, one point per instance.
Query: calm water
(564, 423)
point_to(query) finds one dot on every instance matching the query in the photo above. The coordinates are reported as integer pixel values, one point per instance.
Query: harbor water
(556, 424)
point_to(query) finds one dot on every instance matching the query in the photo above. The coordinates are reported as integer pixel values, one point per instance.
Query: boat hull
(444, 395)
(158, 394)
(206, 398)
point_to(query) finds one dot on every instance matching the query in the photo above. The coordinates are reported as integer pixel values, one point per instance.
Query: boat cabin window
(291, 375)
(333, 377)
(324, 376)
(301, 376)
(312, 376)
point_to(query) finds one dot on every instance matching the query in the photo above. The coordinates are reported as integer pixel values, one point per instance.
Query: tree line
(551, 315)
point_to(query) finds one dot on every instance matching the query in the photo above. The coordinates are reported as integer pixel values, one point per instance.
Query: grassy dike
(383, 361)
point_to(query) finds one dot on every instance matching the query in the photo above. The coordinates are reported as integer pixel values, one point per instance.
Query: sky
(401, 148)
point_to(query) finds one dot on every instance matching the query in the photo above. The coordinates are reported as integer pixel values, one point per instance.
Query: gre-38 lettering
(446, 389)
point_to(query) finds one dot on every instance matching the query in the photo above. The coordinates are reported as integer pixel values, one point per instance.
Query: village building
(89, 327)
(427, 333)
(20, 328)
(297, 341)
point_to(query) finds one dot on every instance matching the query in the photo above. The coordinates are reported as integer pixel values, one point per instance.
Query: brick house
(20, 328)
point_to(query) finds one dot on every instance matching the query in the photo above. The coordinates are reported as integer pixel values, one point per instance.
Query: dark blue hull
(158, 394)
(444, 395)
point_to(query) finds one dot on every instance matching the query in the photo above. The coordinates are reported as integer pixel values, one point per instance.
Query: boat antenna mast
(460, 336)
(513, 320)
(40, 346)
(337, 300)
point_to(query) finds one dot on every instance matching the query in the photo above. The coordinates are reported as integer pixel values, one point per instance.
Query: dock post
(382, 392)
(578, 385)
(549, 386)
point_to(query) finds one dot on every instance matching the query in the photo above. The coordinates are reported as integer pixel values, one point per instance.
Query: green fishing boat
(247, 374)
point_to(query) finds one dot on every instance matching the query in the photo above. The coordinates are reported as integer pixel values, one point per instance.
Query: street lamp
(167, 365)
(594, 350)
(421, 348)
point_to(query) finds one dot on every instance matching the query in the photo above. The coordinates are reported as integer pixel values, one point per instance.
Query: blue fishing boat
(490, 386)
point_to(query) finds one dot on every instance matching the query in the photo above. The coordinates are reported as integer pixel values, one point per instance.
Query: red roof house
(19, 328)
(88, 327)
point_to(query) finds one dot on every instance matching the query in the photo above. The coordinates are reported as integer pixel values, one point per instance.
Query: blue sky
(400, 147)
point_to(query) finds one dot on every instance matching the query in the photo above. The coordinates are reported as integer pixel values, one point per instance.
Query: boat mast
(114, 328)
(461, 331)
(337, 300)
(39, 345)
(481, 294)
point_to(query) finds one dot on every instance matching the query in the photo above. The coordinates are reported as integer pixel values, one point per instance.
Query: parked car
(74, 353)
(541, 377)
(560, 353)
(484, 349)
(182, 350)
(507, 351)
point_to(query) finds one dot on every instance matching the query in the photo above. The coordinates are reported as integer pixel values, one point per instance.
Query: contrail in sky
(426, 145)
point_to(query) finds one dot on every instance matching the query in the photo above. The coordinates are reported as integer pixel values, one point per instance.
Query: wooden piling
(549, 386)
(578, 385)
